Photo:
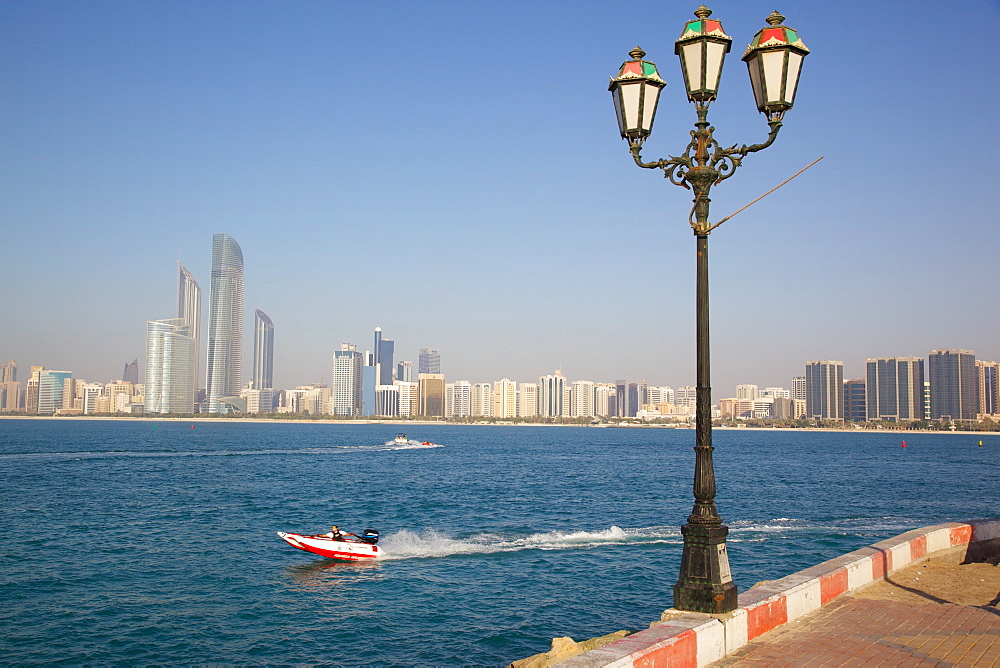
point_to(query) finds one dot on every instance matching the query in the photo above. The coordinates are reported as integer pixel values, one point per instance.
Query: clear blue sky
(452, 172)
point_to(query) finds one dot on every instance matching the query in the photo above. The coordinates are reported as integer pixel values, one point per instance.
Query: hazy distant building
(404, 371)
(687, 398)
(750, 392)
(783, 408)
(954, 384)
(429, 360)
(10, 396)
(988, 395)
(347, 381)
(825, 390)
(189, 308)
(658, 395)
(131, 372)
(383, 351)
(263, 351)
(855, 401)
(894, 388)
(31, 390)
(171, 357)
(369, 385)
(225, 323)
(458, 399)
(9, 371)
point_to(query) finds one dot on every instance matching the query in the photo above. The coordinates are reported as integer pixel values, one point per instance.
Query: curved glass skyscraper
(225, 323)
(171, 356)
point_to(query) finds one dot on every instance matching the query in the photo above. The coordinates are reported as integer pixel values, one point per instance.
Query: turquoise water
(152, 542)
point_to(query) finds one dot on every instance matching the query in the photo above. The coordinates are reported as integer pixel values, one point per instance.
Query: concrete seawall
(686, 639)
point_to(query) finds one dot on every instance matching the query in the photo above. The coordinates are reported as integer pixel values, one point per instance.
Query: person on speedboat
(337, 534)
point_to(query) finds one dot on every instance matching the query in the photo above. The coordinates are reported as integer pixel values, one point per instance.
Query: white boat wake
(412, 545)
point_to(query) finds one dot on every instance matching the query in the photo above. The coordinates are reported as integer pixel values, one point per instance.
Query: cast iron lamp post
(774, 59)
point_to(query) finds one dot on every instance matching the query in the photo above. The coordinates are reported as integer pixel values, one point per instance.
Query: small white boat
(360, 548)
(401, 440)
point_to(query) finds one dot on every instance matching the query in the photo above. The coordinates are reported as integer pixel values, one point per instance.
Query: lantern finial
(775, 18)
(703, 12)
(637, 53)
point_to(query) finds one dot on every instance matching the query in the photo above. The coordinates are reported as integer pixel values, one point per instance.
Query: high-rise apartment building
(825, 390)
(894, 388)
(622, 407)
(225, 323)
(119, 396)
(458, 399)
(31, 390)
(481, 400)
(551, 391)
(430, 390)
(429, 361)
(347, 380)
(604, 395)
(582, 399)
(505, 398)
(263, 351)
(170, 367)
(855, 401)
(750, 392)
(189, 308)
(799, 388)
(408, 395)
(954, 384)
(404, 371)
(989, 374)
(527, 399)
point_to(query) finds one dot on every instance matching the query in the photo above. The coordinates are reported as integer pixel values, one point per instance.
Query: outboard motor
(369, 536)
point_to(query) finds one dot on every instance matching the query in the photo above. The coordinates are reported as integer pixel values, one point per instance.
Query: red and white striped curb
(694, 639)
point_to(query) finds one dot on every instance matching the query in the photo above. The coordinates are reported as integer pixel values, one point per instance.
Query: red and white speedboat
(359, 548)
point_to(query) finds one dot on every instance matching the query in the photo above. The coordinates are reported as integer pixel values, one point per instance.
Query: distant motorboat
(401, 440)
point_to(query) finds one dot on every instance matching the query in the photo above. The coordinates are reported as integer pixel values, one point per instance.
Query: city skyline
(196, 128)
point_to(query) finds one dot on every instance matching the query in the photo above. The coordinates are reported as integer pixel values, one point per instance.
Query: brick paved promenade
(862, 632)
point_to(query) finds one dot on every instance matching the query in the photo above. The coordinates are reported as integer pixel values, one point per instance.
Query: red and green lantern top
(638, 68)
(703, 26)
(776, 35)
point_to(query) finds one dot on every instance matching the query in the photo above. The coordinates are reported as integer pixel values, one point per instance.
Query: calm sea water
(152, 542)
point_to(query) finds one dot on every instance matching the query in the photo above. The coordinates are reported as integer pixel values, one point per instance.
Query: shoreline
(424, 423)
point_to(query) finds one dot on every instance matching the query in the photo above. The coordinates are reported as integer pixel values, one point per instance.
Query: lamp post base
(705, 583)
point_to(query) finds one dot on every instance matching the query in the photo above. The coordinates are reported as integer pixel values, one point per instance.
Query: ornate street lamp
(774, 59)
(635, 92)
